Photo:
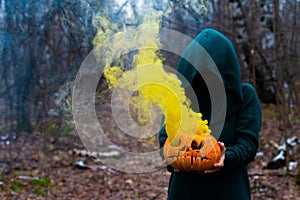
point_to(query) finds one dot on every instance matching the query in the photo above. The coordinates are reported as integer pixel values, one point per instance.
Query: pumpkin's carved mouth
(192, 154)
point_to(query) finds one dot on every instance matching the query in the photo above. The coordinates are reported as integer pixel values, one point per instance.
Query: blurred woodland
(43, 43)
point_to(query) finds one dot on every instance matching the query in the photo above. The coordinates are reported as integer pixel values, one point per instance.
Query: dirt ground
(44, 167)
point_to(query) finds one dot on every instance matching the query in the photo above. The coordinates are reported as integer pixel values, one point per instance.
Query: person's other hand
(220, 163)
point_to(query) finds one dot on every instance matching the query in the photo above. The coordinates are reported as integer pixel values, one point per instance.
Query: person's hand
(220, 164)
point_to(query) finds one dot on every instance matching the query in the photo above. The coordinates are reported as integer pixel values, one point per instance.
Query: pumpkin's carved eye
(197, 146)
(176, 142)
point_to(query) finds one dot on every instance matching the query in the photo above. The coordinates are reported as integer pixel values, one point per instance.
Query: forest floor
(44, 167)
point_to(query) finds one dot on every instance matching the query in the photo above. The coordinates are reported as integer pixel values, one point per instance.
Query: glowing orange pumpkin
(192, 153)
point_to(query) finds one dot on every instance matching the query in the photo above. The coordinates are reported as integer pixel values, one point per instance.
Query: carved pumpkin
(193, 153)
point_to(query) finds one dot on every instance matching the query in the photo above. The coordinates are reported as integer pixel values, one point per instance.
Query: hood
(222, 52)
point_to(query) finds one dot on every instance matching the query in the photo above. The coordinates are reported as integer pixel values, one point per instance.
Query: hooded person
(241, 127)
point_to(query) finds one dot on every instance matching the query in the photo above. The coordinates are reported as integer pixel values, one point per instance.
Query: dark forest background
(43, 43)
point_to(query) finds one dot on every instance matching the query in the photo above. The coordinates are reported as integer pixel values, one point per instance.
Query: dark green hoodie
(240, 132)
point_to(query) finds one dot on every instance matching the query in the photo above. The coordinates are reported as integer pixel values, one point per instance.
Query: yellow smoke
(149, 82)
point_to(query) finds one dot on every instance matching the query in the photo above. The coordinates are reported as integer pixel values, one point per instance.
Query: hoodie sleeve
(162, 136)
(247, 130)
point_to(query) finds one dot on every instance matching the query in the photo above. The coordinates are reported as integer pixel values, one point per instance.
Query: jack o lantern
(192, 153)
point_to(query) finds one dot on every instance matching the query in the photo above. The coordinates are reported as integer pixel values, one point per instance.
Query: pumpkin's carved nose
(197, 145)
